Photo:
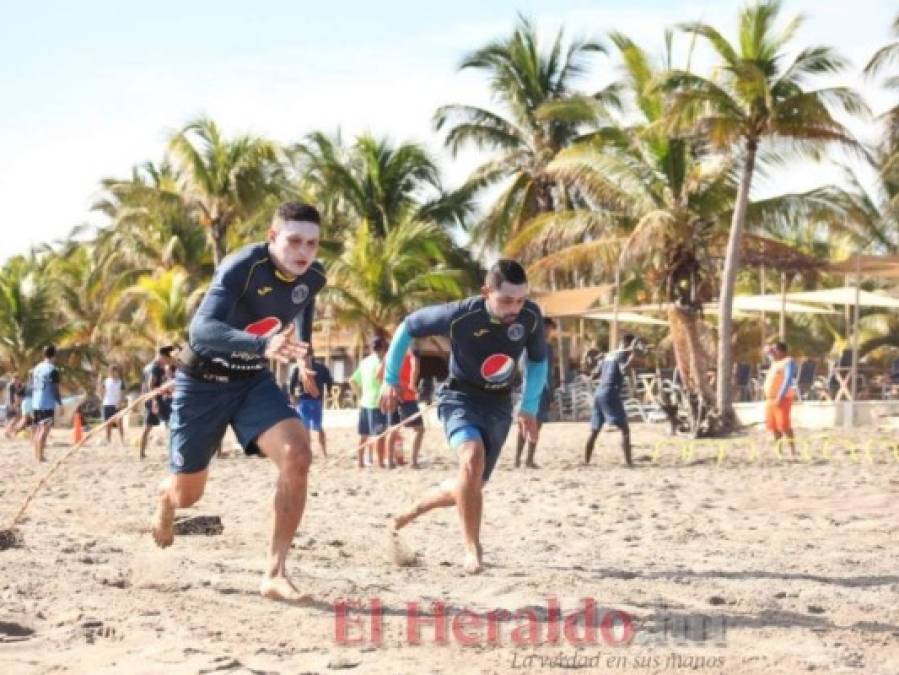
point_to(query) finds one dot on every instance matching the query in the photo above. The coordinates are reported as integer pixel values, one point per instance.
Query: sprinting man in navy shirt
(487, 334)
(246, 318)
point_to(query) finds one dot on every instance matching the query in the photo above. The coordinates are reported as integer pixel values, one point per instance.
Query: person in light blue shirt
(44, 400)
(487, 333)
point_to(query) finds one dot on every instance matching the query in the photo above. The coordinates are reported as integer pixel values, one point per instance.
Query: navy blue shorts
(406, 410)
(202, 412)
(490, 414)
(42, 416)
(153, 419)
(109, 411)
(311, 412)
(372, 422)
(608, 409)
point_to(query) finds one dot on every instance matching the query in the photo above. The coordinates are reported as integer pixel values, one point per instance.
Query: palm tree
(87, 283)
(375, 181)
(656, 207)
(151, 224)
(28, 314)
(224, 180)
(522, 79)
(377, 280)
(756, 98)
(163, 304)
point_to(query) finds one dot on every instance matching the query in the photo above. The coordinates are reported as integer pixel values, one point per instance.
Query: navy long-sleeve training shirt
(248, 301)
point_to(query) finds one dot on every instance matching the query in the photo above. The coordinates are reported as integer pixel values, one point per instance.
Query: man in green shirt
(366, 382)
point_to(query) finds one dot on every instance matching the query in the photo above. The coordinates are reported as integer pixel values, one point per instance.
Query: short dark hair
(297, 211)
(781, 346)
(49, 351)
(628, 339)
(378, 343)
(549, 322)
(506, 270)
(166, 350)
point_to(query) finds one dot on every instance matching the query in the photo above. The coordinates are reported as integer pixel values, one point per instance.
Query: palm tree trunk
(217, 234)
(689, 355)
(728, 282)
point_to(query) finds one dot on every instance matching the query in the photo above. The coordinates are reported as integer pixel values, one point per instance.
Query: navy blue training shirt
(611, 375)
(484, 350)
(323, 380)
(248, 301)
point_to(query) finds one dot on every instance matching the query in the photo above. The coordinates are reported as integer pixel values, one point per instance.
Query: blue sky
(89, 89)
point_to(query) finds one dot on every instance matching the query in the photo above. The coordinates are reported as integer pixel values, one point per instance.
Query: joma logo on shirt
(481, 332)
(265, 290)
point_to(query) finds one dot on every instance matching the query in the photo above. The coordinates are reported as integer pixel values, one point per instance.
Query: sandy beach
(707, 560)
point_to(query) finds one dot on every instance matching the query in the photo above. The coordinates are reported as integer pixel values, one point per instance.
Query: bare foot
(531, 465)
(397, 551)
(473, 562)
(281, 588)
(400, 521)
(163, 527)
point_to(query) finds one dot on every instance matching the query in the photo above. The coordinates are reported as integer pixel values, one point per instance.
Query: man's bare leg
(465, 492)
(532, 449)
(792, 440)
(323, 442)
(287, 443)
(438, 497)
(470, 500)
(142, 453)
(417, 439)
(362, 450)
(176, 491)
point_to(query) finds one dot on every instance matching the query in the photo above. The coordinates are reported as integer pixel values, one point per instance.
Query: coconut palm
(376, 281)
(29, 318)
(656, 206)
(224, 180)
(375, 181)
(151, 224)
(163, 304)
(757, 95)
(522, 79)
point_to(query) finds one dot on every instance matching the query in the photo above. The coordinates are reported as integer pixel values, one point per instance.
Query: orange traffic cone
(77, 427)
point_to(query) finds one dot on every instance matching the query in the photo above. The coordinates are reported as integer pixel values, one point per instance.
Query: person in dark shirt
(259, 307)
(607, 405)
(487, 333)
(158, 409)
(546, 399)
(310, 402)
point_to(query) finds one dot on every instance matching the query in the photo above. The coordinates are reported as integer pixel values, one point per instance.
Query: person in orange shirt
(779, 393)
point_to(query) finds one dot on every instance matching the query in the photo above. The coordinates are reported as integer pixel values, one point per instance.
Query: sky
(90, 89)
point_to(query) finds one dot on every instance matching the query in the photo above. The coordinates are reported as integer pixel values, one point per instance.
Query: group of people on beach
(260, 308)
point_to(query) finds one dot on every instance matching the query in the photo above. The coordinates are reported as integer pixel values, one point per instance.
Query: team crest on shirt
(264, 327)
(515, 332)
(299, 294)
(497, 368)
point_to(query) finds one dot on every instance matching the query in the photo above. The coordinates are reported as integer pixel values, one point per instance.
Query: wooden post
(561, 349)
(764, 317)
(613, 329)
(858, 285)
(783, 306)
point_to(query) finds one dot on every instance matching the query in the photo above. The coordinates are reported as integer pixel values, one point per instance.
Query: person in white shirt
(112, 390)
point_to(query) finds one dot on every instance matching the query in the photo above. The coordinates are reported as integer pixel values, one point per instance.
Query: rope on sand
(390, 430)
(71, 451)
